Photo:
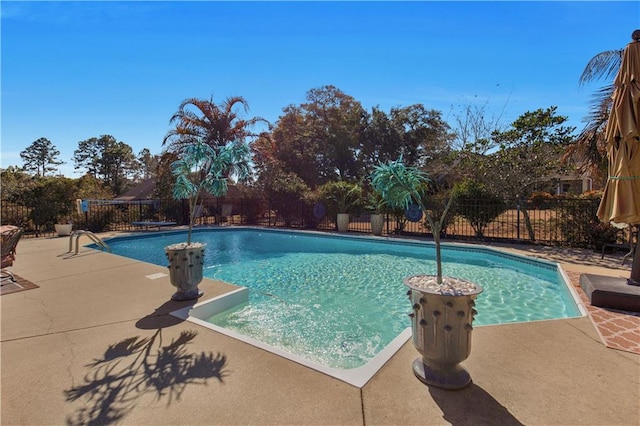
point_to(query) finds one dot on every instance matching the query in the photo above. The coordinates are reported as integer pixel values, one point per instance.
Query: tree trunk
(527, 222)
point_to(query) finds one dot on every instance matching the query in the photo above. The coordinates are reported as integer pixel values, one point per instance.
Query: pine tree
(41, 157)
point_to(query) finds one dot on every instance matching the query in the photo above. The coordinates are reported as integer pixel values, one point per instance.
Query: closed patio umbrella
(621, 199)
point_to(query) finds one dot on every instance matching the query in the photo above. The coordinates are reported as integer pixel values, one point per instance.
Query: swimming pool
(337, 300)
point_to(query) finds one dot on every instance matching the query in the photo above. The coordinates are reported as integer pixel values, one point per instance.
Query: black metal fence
(567, 222)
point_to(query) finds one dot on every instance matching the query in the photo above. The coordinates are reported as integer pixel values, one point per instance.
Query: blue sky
(75, 70)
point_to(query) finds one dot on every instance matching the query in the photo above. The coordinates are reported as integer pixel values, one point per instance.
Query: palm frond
(183, 188)
(232, 101)
(603, 66)
(600, 104)
(587, 152)
(399, 184)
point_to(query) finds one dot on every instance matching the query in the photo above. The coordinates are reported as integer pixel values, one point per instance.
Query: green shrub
(540, 199)
(579, 224)
(341, 197)
(477, 204)
(285, 193)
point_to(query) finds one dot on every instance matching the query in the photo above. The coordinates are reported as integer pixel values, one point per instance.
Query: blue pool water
(339, 300)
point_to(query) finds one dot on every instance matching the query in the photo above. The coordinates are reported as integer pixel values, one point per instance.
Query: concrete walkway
(94, 344)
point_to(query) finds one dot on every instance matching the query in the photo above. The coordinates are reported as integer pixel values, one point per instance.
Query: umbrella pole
(634, 279)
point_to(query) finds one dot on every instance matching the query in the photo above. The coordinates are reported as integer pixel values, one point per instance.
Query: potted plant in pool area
(64, 221)
(64, 227)
(199, 168)
(377, 206)
(443, 307)
(344, 198)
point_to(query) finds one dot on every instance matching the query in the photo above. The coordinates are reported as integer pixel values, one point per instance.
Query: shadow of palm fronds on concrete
(137, 366)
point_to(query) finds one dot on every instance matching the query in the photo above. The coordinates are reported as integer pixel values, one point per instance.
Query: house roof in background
(142, 191)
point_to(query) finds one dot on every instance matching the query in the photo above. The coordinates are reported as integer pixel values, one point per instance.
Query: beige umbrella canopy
(621, 199)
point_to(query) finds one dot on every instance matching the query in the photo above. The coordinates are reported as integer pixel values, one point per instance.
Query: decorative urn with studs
(441, 322)
(443, 307)
(186, 263)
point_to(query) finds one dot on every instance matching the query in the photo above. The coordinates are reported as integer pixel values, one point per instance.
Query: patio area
(94, 343)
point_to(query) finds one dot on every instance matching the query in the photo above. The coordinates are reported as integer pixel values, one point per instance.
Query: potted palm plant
(199, 168)
(343, 197)
(64, 227)
(377, 206)
(442, 306)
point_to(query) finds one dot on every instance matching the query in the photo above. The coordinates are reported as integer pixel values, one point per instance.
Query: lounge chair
(150, 224)
(10, 237)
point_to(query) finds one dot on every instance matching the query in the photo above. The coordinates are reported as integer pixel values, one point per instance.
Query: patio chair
(199, 213)
(10, 237)
(623, 242)
(226, 213)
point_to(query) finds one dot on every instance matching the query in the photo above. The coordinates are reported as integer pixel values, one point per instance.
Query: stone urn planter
(441, 324)
(343, 222)
(186, 263)
(63, 229)
(377, 223)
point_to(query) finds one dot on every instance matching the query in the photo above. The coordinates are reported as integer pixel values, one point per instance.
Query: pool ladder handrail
(93, 237)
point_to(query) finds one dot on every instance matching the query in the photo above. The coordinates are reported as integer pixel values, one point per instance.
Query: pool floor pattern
(617, 329)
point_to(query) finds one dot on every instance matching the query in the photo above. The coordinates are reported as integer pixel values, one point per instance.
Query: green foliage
(285, 192)
(148, 163)
(317, 140)
(579, 223)
(468, 195)
(400, 220)
(51, 201)
(529, 151)
(165, 178)
(520, 159)
(426, 137)
(89, 187)
(201, 167)
(330, 137)
(40, 156)
(341, 196)
(309, 200)
(416, 133)
(15, 184)
(42, 202)
(105, 158)
(375, 202)
(209, 142)
(382, 139)
(401, 186)
(333, 121)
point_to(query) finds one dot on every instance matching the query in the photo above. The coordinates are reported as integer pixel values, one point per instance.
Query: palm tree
(209, 142)
(215, 125)
(589, 149)
(202, 167)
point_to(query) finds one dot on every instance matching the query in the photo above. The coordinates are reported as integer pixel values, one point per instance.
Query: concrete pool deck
(95, 343)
